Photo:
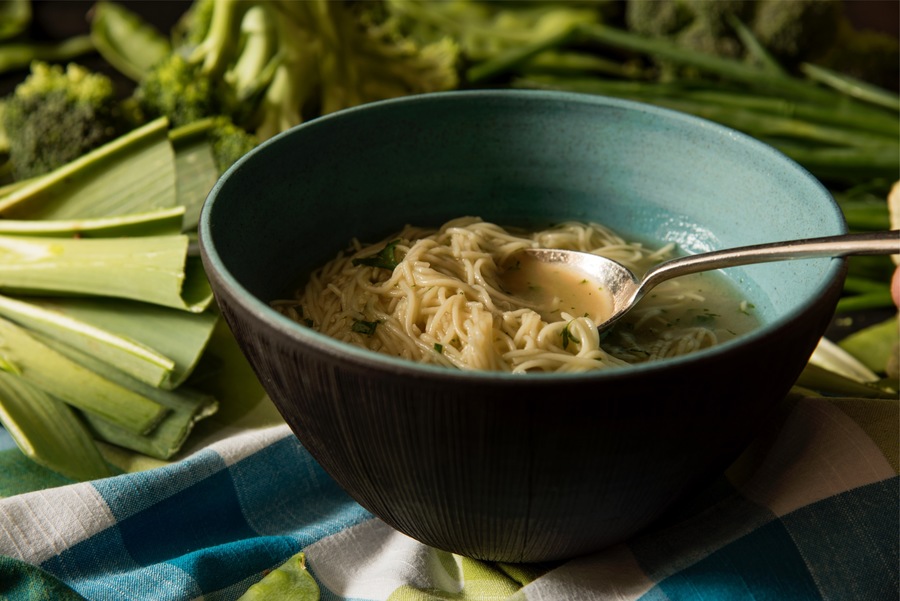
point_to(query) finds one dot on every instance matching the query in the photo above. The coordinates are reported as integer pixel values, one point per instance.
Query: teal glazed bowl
(499, 466)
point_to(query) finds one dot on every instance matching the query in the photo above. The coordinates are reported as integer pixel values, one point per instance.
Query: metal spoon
(547, 269)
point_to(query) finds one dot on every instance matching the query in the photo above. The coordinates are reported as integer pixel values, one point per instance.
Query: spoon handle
(868, 243)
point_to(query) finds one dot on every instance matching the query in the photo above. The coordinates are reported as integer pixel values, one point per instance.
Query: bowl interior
(515, 158)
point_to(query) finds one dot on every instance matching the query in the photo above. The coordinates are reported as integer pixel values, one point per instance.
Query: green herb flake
(705, 318)
(364, 327)
(439, 348)
(567, 337)
(386, 258)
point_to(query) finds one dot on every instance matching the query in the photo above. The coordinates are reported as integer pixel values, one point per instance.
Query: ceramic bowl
(517, 468)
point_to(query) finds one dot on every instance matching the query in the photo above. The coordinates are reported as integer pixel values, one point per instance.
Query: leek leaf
(873, 345)
(49, 432)
(156, 345)
(824, 381)
(126, 354)
(195, 171)
(152, 269)
(186, 407)
(158, 222)
(134, 173)
(72, 383)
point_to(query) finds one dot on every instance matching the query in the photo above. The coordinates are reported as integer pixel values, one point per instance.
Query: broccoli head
(178, 89)
(56, 115)
(793, 31)
(269, 65)
(229, 142)
(701, 25)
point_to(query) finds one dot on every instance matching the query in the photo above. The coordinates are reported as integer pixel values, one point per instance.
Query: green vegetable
(48, 431)
(125, 40)
(385, 259)
(20, 53)
(152, 269)
(56, 115)
(567, 337)
(875, 345)
(133, 173)
(156, 345)
(23, 354)
(291, 581)
(268, 66)
(156, 222)
(15, 16)
(364, 327)
(185, 408)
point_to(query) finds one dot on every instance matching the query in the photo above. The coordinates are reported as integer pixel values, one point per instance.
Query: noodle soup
(434, 296)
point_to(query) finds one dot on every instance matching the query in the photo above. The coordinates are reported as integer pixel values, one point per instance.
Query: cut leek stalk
(26, 356)
(873, 345)
(159, 222)
(152, 269)
(128, 355)
(132, 174)
(48, 432)
(186, 408)
(195, 171)
(156, 345)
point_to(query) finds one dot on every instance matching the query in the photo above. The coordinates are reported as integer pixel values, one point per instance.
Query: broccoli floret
(701, 25)
(229, 142)
(178, 89)
(791, 30)
(269, 65)
(56, 115)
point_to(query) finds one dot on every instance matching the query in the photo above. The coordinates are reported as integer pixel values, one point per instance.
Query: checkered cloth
(810, 511)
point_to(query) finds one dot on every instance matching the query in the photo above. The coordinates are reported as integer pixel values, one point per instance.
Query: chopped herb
(746, 307)
(439, 348)
(705, 318)
(364, 327)
(309, 323)
(386, 258)
(567, 336)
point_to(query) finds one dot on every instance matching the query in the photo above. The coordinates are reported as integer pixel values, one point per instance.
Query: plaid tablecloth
(809, 512)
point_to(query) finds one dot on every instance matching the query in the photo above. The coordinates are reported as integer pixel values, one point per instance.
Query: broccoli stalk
(271, 65)
(56, 115)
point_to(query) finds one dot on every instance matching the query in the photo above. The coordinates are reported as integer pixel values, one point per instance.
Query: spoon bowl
(617, 289)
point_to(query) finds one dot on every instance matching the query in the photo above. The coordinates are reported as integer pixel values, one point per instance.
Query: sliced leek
(195, 170)
(26, 356)
(156, 345)
(47, 431)
(158, 222)
(134, 173)
(186, 407)
(152, 269)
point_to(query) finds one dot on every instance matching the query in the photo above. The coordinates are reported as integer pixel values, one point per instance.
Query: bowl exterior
(487, 465)
(531, 471)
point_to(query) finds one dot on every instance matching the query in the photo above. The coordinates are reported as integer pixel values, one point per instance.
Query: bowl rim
(370, 360)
